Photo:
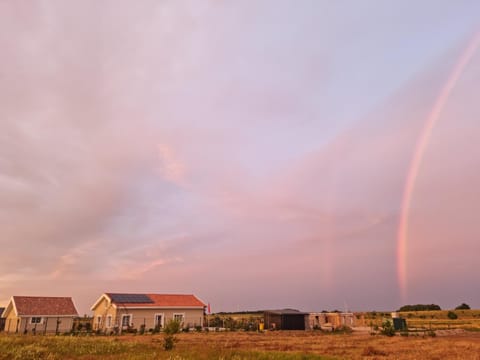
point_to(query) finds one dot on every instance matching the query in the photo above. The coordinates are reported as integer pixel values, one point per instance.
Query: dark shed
(285, 319)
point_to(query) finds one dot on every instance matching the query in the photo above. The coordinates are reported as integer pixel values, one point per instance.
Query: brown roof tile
(167, 300)
(41, 305)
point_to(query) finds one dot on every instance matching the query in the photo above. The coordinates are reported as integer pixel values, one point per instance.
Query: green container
(399, 324)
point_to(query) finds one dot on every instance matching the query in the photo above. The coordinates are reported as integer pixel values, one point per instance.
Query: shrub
(452, 316)
(156, 329)
(171, 329)
(387, 328)
(463, 306)
(88, 326)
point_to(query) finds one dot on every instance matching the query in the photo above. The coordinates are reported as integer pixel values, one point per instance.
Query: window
(126, 320)
(179, 318)
(99, 321)
(109, 321)
(158, 320)
(36, 320)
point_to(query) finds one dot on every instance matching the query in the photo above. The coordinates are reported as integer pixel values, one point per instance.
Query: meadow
(282, 345)
(426, 320)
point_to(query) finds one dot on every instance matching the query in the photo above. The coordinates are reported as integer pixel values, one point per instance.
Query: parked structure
(285, 319)
(39, 314)
(121, 312)
(330, 320)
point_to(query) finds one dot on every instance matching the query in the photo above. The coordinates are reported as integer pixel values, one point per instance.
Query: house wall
(23, 325)
(192, 317)
(103, 310)
(11, 321)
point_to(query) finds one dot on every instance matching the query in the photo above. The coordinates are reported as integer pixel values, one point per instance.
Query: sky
(254, 153)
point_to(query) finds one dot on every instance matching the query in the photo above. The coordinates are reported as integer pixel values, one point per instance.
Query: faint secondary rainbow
(416, 161)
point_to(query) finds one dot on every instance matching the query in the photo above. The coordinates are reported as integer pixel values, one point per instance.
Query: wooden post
(45, 328)
(56, 328)
(25, 330)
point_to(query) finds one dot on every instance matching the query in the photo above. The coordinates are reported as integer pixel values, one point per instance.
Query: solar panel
(131, 298)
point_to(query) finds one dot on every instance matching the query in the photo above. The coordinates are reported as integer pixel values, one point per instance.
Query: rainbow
(416, 161)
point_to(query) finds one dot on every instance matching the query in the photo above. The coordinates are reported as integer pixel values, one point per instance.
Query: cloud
(172, 169)
(181, 147)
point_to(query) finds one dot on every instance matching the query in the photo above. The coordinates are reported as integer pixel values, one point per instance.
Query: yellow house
(39, 314)
(114, 312)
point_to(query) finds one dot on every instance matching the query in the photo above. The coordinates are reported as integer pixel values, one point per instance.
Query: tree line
(430, 307)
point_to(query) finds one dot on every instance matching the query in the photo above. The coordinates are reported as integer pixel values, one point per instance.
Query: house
(285, 319)
(39, 314)
(114, 312)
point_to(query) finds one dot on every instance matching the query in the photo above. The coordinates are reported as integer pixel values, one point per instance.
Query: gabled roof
(152, 300)
(43, 306)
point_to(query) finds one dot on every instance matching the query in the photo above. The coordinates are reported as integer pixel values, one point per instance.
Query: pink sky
(252, 153)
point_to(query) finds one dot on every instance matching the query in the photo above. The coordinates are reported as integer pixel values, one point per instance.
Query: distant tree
(451, 315)
(420, 307)
(463, 306)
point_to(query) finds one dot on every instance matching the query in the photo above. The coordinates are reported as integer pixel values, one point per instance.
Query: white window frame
(179, 314)
(36, 317)
(130, 321)
(162, 324)
(108, 322)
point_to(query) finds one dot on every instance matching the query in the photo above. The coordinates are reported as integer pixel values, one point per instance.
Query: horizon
(274, 154)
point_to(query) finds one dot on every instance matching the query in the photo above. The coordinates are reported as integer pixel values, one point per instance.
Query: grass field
(242, 345)
(426, 320)
(435, 320)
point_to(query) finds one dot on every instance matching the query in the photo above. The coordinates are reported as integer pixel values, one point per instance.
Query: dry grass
(245, 345)
(436, 320)
(347, 346)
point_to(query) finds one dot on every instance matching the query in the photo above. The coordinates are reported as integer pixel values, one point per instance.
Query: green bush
(171, 329)
(452, 316)
(387, 328)
(463, 306)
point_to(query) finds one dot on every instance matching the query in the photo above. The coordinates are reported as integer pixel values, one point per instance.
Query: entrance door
(159, 320)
